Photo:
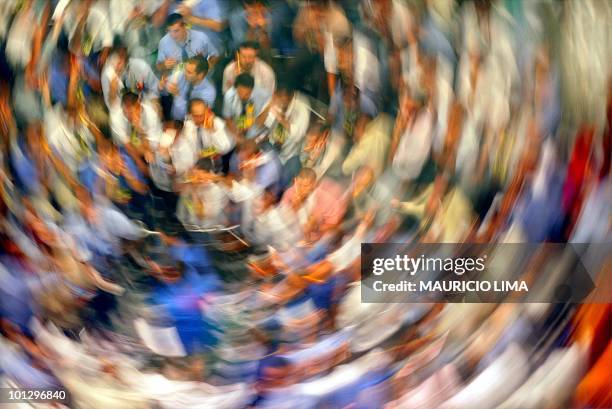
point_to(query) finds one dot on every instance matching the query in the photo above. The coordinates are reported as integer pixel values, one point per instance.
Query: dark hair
(274, 361)
(129, 98)
(244, 80)
(120, 50)
(200, 62)
(206, 164)
(195, 101)
(173, 19)
(285, 84)
(255, 2)
(249, 146)
(249, 44)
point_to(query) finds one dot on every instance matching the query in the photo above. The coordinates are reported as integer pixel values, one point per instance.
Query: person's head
(34, 134)
(273, 372)
(247, 53)
(131, 106)
(120, 55)
(345, 56)
(255, 12)
(244, 86)
(175, 26)
(351, 96)
(284, 92)
(318, 7)
(161, 264)
(362, 179)
(305, 182)
(408, 104)
(199, 111)
(196, 69)
(248, 149)
(316, 136)
(268, 199)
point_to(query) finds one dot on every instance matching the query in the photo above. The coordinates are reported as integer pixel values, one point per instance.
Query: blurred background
(185, 187)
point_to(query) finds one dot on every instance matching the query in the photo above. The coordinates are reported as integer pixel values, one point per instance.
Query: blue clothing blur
(197, 43)
(212, 10)
(181, 301)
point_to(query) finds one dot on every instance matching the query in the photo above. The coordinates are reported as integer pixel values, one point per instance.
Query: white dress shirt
(261, 72)
(149, 122)
(414, 146)
(186, 152)
(298, 116)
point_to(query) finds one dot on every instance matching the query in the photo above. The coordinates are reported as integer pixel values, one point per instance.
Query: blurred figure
(191, 84)
(247, 61)
(242, 105)
(204, 138)
(122, 73)
(287, 117)
(181, 43)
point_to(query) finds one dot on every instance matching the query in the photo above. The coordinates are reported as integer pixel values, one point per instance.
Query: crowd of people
(186, 185)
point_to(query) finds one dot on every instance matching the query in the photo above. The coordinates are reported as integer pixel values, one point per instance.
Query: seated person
(191, 84)
(182, 43)
(242, 105)
(248, 62)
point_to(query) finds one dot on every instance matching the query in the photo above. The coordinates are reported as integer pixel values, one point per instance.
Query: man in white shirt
(287, 118)
(412, 138)
(204, 138)
(248, 61)
(121, 72)
(135, 122)
(242, 106)
(97, 36)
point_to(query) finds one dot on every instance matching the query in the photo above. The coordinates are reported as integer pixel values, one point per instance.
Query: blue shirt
(16, 301)
(58, 81)
(337, 107)
(213, 10)
(26, 174)
(196, 256)
(197, 43)
(203, 90)
(181, 301)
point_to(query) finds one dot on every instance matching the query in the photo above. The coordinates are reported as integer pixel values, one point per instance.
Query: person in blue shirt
(181, 43)
(251, 22)
(208, 17)
(191, 84)
(180, 293)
